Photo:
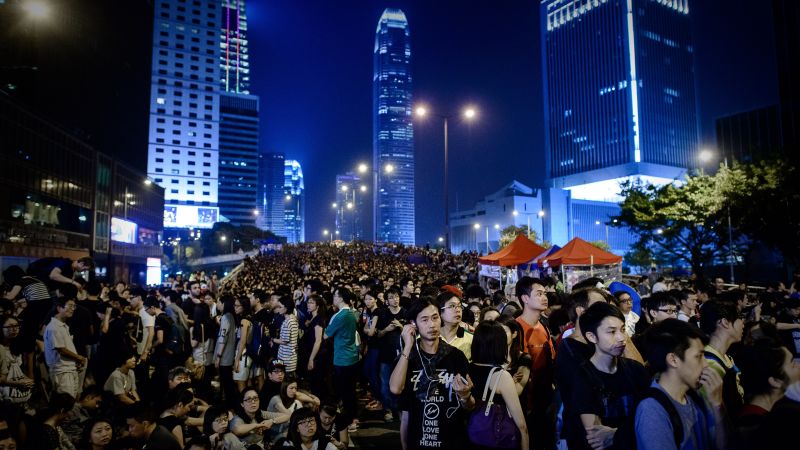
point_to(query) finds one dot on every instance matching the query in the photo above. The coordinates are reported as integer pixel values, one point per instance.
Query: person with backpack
(721, 322)
(162, 333)
(673, 415)
(607, 386)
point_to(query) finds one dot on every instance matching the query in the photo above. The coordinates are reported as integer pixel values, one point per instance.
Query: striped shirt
(33, 289)
(288, 351)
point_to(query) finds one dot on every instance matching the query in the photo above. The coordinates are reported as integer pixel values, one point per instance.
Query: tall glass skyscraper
(238, 157)
(184, 112)
(349, 206)
(393, 131)
(270, 192)
(234, 58)
(295, 206)
(619, 93)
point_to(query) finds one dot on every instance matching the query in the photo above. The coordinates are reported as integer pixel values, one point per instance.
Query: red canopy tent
(578, 252)
(520, 251)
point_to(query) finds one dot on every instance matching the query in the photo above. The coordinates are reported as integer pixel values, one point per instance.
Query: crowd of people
(294, 347)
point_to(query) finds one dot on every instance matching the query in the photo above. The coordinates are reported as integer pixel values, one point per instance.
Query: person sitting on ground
(122, 381)
(177, 405)
(251, 424)
(215, 429)
(142, 426)
(84, 410)
(98, 434)
(304, 432)
(333, 426)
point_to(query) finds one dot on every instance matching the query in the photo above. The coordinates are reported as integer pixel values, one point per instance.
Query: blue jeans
(371, 372)
(388, 399)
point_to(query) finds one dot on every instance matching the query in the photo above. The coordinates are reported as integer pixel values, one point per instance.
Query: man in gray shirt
(62, 359)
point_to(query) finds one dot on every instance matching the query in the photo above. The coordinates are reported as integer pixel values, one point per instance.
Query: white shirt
(630, 322)
(147, 321)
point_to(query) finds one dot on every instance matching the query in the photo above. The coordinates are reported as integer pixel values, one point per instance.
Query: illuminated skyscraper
(234, 58)
(619, 93)
(393, 132)
(295, 202)
(183, 142)
(271, 196)
(238, 157)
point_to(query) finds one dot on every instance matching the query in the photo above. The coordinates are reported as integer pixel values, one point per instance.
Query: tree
(764, 199)
(602, 245)
(509, 233)
(677, 221)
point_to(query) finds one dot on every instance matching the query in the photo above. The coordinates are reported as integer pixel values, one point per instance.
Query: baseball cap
(453, 290)
(276, 364)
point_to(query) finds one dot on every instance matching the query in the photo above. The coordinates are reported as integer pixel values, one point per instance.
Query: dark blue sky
(311, 64)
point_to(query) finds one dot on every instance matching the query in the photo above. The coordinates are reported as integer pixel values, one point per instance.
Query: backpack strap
(674, 419)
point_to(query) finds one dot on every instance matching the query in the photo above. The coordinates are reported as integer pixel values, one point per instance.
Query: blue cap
(618, 286)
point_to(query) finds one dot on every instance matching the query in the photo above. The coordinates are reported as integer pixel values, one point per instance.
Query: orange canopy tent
(578, 252)
(520, 251)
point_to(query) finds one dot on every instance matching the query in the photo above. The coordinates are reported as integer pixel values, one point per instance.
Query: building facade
(238, 158)
(63, 198)
(183, 148)
(234, 56)
(619, 93)
(270, 192)
(393, 131)
(750, 136)
(295, 203)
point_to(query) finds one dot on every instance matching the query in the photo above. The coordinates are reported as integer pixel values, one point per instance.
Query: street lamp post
(705, 156)
(469, 113)
(477, 227)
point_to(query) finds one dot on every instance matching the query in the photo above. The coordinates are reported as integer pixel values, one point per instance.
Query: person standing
(342, 329)
(433, 382)
(531, 292)
(287, 340)
(225, 350)
(63, 361)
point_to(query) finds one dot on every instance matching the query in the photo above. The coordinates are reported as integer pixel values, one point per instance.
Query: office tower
(393, 132)
(619, 93)
(184, 112)
(234, 57)
(295, 204)
(238, 158)
(750, 136)
(271, 196)
(349, 206)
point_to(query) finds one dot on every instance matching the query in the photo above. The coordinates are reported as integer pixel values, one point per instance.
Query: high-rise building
(271, 195)
(393, 131)
(349, 206)
(183, 148)
(234, 57)
(751, 135)
(295, 202)
(619, 93)
(238, 158)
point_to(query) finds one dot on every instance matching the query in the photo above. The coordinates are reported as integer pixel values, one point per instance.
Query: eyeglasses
(453, 307)
(250, 399)
(222, 420)
(671, 311)
(626, 301)
(307, 422)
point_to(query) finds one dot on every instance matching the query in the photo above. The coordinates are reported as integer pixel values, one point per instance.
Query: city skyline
(476, 53)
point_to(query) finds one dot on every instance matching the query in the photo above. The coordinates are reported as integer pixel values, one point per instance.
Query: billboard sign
(189, 216)
(123, 230)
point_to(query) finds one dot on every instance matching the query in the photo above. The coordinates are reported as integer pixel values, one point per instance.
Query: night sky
(311, 63)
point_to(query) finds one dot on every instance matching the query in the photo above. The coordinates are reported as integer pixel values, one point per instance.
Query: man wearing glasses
(62, 358)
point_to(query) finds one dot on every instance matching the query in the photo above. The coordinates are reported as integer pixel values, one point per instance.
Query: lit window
(160, 101)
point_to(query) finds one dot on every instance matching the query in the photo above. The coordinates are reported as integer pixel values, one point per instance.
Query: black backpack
(674, 418)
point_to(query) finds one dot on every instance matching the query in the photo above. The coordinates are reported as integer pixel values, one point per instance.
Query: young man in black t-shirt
(390, 324)
(431, 378)
(607, 387)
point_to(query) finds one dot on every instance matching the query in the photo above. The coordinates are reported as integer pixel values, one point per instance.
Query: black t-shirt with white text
(436, 419)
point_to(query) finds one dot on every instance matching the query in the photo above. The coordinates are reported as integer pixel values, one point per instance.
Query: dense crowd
(295, 346)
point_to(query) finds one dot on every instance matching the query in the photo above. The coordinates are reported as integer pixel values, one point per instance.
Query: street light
(224, 238)
(705, 156)
(477, 227)
(362, 168)
(469, 114)
(388, 168)
(515, 213)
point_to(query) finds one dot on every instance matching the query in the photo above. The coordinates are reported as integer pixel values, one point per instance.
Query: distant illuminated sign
(123, 230)
(153, 271)
(187, 216)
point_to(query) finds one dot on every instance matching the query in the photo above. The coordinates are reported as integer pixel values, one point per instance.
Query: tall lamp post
(477, 227)
(706, 156)
(469, 113)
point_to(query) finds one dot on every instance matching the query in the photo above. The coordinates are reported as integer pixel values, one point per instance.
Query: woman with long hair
(303, 432)
(284, 403)
(251, 424)
(313, 349)
(242, 362)
(225, 351)
(489, 360)
(287, 342)
(15, 386)
(519, 362)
